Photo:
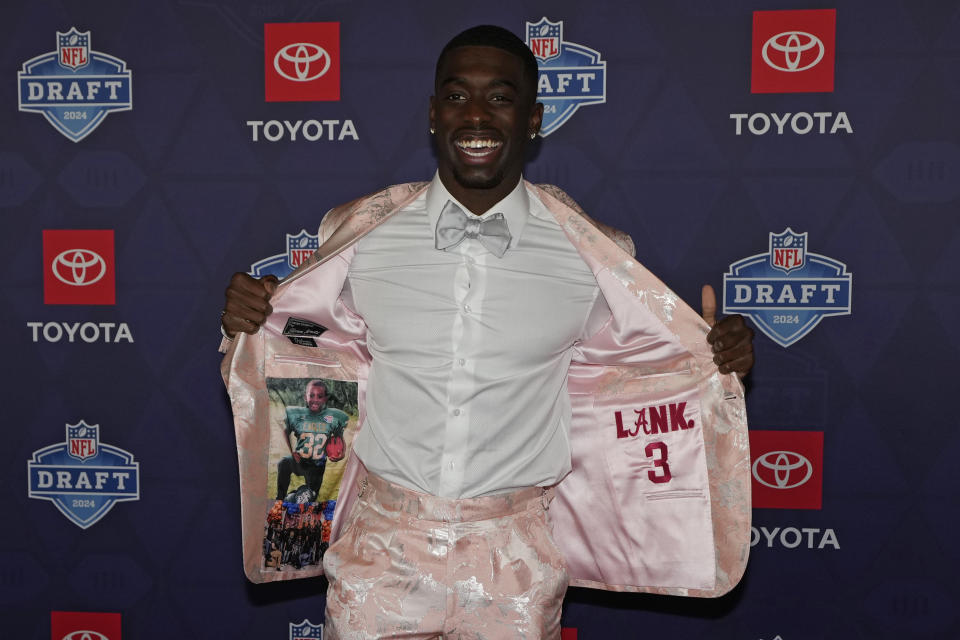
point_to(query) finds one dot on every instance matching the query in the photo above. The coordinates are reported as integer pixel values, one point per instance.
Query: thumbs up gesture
(730, 337)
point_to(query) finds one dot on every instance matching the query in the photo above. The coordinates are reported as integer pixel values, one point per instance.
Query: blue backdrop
(165, 127)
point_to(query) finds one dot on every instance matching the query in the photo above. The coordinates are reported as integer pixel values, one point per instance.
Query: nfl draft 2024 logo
(306, 630)
(75, 87)
(299, 248)
(82, 476)
(788, 290)
(570, 75)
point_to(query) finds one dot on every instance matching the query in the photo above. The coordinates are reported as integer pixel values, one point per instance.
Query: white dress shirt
(467, 392)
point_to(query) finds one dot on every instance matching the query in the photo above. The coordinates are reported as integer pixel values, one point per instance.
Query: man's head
(316, 395)
(484, 112)
(488, 35)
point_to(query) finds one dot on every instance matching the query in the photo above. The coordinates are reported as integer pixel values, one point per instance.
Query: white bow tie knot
(454, 225)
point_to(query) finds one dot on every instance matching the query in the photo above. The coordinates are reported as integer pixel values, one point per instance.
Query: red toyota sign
(78, 266)
(793, 51)
(787, 468)
(84, 625)
(301, 61)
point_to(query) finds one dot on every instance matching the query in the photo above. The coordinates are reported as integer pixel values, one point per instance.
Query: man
(494, 318)
(312, 427)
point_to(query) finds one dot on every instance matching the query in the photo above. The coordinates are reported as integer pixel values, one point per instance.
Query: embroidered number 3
(661, 471)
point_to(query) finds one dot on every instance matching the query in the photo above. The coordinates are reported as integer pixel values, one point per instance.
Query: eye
(455, 97)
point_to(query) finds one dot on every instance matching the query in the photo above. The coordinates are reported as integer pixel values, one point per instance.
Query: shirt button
(461, 362)
(466, 308)
(452, 465)
(456, 412)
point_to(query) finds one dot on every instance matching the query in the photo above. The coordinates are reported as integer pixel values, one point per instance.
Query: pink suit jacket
(659, 496)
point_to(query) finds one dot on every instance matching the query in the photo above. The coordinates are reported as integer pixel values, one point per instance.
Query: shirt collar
(515, 207)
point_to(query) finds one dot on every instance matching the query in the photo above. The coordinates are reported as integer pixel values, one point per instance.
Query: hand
(247, 303)
(731, 338)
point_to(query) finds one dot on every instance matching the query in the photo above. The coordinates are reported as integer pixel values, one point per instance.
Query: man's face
(316, 397)
(483, 114)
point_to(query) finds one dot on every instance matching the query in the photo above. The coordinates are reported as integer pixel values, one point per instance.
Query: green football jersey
(314, 429)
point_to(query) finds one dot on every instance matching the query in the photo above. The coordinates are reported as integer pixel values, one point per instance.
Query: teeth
(478, 144)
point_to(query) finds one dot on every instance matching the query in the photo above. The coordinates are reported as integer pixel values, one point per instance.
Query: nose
(476, 113)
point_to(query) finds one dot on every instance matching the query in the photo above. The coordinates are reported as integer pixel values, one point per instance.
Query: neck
(478, 201)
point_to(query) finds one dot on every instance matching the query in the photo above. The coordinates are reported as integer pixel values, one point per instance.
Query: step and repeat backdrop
(802, 158)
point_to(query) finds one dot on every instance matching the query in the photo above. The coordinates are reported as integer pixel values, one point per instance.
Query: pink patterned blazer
(659, 496)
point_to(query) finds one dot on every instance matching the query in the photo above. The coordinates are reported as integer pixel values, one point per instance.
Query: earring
(432, 131)
(533, 135)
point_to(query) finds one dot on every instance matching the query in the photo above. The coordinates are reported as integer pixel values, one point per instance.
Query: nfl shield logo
(83, 440)
(788, 290)
(544, 39)
(306, 631)
(569, 75)
(73, 49)
(74, 87)
(788, 250)
(300, 247)
(83, 492)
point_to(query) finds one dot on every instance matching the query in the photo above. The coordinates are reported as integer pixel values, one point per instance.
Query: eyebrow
(499, 82)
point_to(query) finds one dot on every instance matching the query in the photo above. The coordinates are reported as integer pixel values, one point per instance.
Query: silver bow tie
(454, 225)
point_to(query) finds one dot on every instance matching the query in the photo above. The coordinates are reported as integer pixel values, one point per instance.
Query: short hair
(489, 35)
(318, 383)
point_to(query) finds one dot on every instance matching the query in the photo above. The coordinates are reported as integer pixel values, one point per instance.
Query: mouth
(477, 147)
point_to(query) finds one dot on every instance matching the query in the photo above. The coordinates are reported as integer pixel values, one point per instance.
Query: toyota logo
(305, 58)
(781, 469)
(792, 48)
(85, 635)
(78, 267)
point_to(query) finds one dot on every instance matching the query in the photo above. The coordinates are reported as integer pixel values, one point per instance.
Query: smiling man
(482, 114)
(500, 327)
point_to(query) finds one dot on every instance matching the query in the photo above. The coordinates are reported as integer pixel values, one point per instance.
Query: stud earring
(533, 135)
(432, 131)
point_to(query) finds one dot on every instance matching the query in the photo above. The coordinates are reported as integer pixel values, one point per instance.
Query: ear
(433, 113)
(536, 118)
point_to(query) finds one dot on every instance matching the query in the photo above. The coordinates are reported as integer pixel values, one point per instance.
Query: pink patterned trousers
(413, 566)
